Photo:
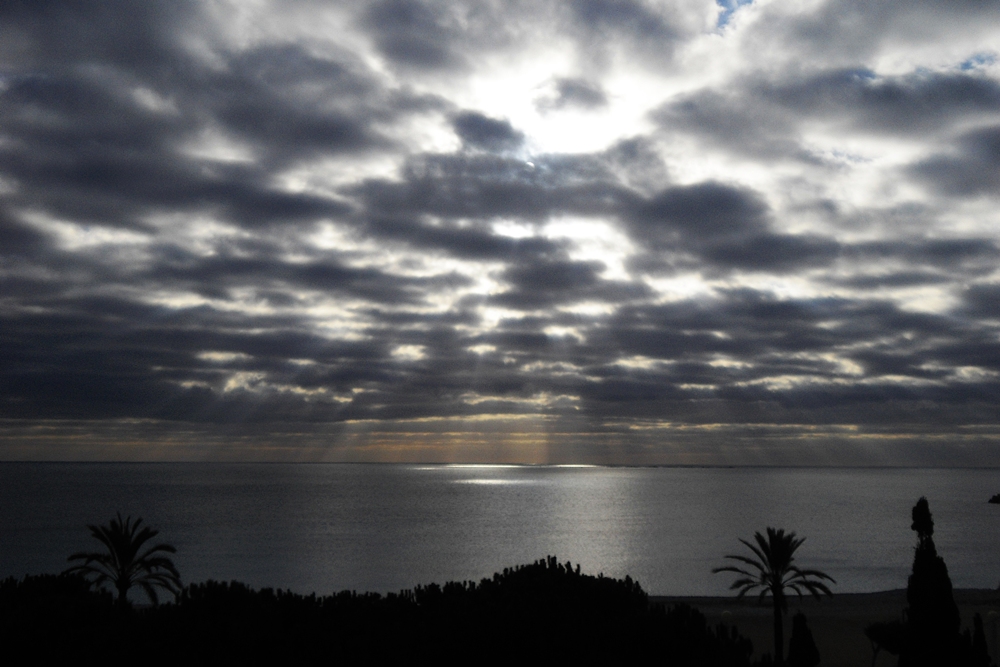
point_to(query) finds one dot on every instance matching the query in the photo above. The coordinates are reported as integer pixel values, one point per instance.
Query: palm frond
(774, 571)
(732, 568)
(762, 553)
(814, 573)
(122, 565)
(760, 565)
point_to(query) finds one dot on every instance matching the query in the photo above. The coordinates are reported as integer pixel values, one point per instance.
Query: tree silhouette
(932, 621)
(123, 566)
(773, 572)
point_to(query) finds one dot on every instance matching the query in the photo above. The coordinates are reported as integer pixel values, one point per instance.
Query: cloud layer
(605, 231)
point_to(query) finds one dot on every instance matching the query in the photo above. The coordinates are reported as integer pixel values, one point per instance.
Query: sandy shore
(838, 623)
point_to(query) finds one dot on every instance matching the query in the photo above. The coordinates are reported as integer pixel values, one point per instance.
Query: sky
(594, 231)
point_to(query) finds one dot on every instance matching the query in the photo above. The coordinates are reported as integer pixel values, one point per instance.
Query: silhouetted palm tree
(772, 573)
(123, 565)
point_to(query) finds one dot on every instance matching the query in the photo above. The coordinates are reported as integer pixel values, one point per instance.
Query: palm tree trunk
(122, 597)
(779, 637)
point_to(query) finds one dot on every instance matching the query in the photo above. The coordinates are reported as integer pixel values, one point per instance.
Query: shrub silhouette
(773, 572)
(50, 617)
(978, 654)
(544, 612)
(123, 566)
(888, 636)
(687, 639)
(802, 651)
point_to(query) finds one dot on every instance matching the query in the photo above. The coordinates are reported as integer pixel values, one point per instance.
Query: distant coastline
(487, 464)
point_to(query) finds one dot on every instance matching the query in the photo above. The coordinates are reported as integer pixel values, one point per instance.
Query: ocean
(380, 527)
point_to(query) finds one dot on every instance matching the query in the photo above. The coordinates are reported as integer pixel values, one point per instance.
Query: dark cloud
(18, 239)
(983, 300)
(773, 252)
(128, 34)
(972, 168)
(279, 99)
(935, 252)
(212, 276)
(485, 187)
(706, 210)
(915, 102)
(770, 338)
(855, 31)
(733, 119)
(763, 116)
(433, 37)
(124, 137)
(543, 284)
(631, 18)
(460, 242)
(869, 281)
(907, 263)
(726, 226)
(479, 131)
(412, 33)
(893, 264)
(573, 93)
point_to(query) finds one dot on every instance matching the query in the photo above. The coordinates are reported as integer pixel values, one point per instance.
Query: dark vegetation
(543, 613)
(929, 632)
(886, 635)
(127, 561)
(802, 650)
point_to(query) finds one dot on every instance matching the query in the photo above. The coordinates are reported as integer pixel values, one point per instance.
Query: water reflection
(387, 527)
(494, 481)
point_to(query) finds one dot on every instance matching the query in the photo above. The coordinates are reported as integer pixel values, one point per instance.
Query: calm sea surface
(328, 527)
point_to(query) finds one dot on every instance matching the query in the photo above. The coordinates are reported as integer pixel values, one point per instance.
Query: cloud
(543, 284)
(573, 93)
(982, 299)
(920, 101)
(725, 226)
(630, 22)
(385, 227)
(412, 33)
(485, 187)
(479, 131)
(767, 116)
(705, 210)
(852, 31)
(971, 168)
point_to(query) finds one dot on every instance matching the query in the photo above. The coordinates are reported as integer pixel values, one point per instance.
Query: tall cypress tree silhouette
(933, 623)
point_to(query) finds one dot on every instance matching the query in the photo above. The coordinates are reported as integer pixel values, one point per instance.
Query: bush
(545, 612)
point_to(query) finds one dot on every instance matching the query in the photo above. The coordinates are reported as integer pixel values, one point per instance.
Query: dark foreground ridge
(543, 613)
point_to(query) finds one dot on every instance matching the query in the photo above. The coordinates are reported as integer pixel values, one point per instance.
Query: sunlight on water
(473, 466)
(493, 481)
